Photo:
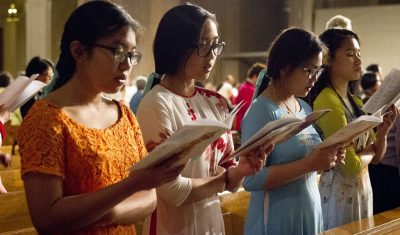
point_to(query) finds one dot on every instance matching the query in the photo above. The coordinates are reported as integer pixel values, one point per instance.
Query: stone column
(301, 13)
(10, 47)
(38, 28)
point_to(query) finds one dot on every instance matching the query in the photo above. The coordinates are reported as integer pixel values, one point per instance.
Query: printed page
(395, 101)
(352, 130)
(33, 88)
(386, 93)
(9, 96)
(189, 141)
(231, 116)
(277, 131)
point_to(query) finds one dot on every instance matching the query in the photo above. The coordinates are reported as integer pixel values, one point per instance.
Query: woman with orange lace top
(76, 146)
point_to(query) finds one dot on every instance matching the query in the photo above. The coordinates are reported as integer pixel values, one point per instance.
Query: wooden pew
(11, 137)
(12, 180)
(8, 148)
(14, 214)
(234, 210)
(387, 222)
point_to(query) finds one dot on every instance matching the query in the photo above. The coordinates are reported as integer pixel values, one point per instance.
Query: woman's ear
(77, 49)
(283, 72)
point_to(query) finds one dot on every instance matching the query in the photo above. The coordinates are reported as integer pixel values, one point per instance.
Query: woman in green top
(346, 193)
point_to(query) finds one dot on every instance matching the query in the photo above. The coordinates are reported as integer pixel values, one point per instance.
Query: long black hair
(178, 32)
(333, 39)
(87, 24)
(290, 49)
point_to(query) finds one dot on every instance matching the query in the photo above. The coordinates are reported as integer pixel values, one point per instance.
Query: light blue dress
(294, 208)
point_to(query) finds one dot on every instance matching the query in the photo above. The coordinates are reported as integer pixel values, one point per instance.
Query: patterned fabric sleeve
(41, 141)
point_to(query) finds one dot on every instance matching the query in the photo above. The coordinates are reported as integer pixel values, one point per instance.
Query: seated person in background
(45, 69)
(376, 68)
(76, 146)
(228, 89)
(5, 79)
(370, 83)
(246, 91)
(140, 84)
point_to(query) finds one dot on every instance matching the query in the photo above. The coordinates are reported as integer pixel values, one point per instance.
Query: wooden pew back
(14, 214)
(15, 164)
(387, 222)
(234, 210)
(12, 180)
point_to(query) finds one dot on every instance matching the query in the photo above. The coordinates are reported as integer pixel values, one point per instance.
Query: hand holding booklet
(278, 131)
(193, 138)
(188, 141)
(353, 129)
(20, 91)
(387, 94)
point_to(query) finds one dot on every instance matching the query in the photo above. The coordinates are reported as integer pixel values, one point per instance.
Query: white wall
(378, 28)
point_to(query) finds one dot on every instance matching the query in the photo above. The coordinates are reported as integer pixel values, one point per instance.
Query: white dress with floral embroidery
(161, 112)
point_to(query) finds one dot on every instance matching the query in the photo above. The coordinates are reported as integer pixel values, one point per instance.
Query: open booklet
(353, 129)
(277, 131)
(189, 141)
(387, 94)
(192, 139)
(20, 91)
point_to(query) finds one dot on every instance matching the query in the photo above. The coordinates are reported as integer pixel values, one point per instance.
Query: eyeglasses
(120, 54)
(314, 71)
(203, 49)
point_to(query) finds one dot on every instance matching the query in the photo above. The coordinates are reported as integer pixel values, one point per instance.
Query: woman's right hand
(163, 172)
(326, 158)
(4, 114)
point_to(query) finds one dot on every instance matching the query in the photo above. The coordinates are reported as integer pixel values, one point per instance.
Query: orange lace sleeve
(41, 141)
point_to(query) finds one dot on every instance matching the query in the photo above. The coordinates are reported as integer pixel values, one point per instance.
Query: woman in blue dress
(284, 194)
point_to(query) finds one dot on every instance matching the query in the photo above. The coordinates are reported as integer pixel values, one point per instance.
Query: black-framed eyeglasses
(204, 49)
(120, 54)
(312, 71)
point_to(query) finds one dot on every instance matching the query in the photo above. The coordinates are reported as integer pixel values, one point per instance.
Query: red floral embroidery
(208, 93)
(151, 144)
(191, 113)
(221, 102)
(219, 144)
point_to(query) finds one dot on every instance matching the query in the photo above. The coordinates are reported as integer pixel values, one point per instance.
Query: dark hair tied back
(291, 48)
(87, 24)
(177, 33)
(333, 39)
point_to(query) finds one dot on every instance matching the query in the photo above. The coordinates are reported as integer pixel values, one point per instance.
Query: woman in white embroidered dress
(185, 49)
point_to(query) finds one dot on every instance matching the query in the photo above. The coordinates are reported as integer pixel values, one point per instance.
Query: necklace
(286, 106)
(350, 112)
(289, 111)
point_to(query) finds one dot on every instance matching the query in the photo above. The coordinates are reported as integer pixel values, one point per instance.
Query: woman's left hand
(254, 160)
(388, 120)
